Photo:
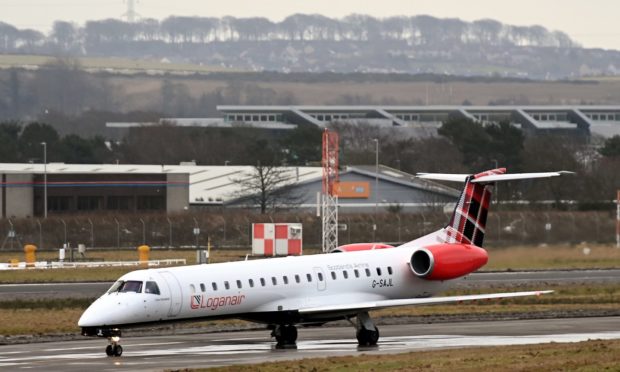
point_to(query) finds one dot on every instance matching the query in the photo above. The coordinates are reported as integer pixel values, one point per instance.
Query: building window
(89, 203)
(119, 203)
(59, 203)
(151, 202)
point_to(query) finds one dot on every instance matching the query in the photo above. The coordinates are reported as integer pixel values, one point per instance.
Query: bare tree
(269, 187)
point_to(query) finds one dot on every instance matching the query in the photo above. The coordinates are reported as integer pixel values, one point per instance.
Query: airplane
(312, 290)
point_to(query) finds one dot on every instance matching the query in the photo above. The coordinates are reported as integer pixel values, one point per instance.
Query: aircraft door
(175, 291)
(321, 280)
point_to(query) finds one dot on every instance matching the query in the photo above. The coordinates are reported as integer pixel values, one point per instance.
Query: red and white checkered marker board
(276, 239)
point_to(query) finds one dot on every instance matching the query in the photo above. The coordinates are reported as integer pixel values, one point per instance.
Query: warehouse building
(123, 188)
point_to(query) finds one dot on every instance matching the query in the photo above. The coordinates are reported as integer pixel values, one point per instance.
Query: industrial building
(124, 188)
(425, 120)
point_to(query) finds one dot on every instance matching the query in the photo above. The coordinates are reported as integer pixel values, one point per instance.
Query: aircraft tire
(367, 337)
(118, 350)
(109, 351)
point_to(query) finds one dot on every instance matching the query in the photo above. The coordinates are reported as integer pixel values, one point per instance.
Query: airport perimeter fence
(232, 230)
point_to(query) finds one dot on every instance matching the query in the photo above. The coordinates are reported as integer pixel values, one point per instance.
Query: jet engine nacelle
(447, 261)
(360, 247)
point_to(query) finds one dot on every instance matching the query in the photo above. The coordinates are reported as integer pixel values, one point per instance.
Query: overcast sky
(593, 23)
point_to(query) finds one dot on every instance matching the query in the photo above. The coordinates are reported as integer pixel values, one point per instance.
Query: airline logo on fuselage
(213, 303)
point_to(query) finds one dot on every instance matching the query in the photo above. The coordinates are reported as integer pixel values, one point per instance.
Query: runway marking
(231, 353)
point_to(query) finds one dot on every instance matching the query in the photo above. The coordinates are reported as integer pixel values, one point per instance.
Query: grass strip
(594, 355)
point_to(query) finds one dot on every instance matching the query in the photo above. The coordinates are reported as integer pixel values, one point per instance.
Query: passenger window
(214, 285)
(192, 288)
(297, 278)
(320, 275)
(202, 286)
(274, 280)
(251, 282)
(345, 274)
(262, 282)
(239, 284)
(152, 288)
(367, 271)
(226, 285)
(390, 270)
(379, 271)
(357, 273)
(309, 277)
(334, 275)
(285, 279)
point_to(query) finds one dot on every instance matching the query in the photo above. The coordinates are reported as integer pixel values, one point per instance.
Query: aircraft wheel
(367, 337)
(109, 351)
(118, 350)
(286, 336)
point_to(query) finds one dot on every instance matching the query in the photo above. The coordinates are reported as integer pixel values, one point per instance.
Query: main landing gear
(286, 336)
(367, 333)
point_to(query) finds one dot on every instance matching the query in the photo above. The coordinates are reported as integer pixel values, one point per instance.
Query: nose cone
(92, 317)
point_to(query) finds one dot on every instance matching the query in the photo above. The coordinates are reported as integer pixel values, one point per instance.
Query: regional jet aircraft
(311, 290)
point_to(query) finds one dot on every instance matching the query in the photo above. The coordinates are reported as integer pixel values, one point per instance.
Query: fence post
(169, 232)
(118, 233)
(92, 233)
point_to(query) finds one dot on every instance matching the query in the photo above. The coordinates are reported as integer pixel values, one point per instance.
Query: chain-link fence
(232, 229)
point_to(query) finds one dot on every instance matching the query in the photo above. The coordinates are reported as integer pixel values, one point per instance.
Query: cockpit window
(124, 286)
(115, 286)
(152, 288)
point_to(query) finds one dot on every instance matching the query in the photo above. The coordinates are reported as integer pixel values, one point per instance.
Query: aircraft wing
(375, 305)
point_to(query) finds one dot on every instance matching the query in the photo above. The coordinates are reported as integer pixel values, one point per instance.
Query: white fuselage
(268, 290)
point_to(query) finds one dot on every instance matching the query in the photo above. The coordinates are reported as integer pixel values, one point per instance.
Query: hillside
(313, 43)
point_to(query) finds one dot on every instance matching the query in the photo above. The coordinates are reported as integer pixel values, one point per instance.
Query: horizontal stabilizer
(373, 305)
(488, 178)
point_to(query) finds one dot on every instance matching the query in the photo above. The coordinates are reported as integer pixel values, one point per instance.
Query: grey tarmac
(157, 353)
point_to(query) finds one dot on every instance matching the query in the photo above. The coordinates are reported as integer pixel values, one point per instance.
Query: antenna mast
(329, 197)
(131, 14)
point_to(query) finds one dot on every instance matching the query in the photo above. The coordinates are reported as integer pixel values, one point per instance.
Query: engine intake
(447, 261)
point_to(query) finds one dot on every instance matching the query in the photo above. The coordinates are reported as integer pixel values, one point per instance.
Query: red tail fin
(469, 218)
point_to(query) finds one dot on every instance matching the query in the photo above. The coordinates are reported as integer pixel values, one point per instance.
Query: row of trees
(415, 30)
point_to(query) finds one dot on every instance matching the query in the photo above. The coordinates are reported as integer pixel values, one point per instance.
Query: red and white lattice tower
(329, 198)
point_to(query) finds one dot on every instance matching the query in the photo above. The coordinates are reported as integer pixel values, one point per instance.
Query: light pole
(44, 179)
(376, 140)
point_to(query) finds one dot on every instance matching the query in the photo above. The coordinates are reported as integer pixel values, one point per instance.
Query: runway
(9, 292)
(218, 349)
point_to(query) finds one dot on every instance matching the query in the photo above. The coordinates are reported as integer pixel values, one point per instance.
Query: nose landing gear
(114, 350)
